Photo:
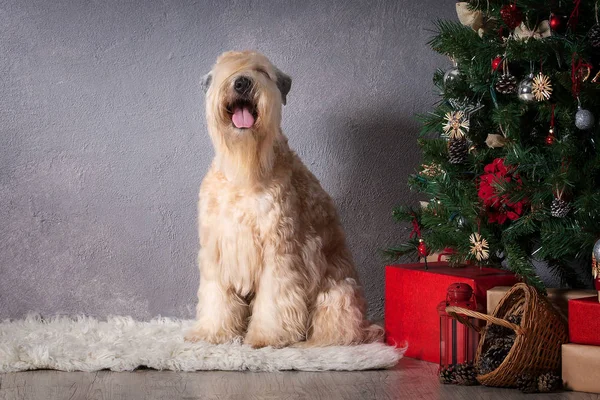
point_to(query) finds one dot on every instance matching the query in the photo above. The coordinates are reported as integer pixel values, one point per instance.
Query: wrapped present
(558, 297)
(584, 321)
(438, 257)
(413, 293)
(581, 367)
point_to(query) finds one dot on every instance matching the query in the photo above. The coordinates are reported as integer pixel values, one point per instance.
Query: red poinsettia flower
(498, 206)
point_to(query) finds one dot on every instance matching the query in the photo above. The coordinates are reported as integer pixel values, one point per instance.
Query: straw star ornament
(431, 170)
(479, 247)
(541, 87)
(457, 124)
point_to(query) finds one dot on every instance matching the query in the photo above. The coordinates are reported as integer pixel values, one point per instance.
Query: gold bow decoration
(541, 30)
(495, 140)
(473, 18)
(467, 17)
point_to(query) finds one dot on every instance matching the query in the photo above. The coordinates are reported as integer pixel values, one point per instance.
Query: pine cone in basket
(494, 355)
(496, 331)
(549, 382)
(484, 365)
(515, 319)
(447, 375)
(527, 383)
(465, 374)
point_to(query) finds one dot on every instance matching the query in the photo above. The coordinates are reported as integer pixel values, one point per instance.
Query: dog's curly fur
(274, 264)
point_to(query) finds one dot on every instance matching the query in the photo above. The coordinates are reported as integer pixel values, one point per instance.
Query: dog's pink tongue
(242, 118)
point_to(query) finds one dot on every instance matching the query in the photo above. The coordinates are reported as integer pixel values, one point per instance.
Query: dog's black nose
(242, 85)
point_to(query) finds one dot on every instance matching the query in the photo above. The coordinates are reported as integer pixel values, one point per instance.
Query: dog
(274, 265)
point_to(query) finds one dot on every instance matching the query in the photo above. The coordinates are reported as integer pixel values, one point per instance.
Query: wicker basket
(538, 341)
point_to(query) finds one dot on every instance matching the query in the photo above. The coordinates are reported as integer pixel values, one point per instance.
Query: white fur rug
(122, 344)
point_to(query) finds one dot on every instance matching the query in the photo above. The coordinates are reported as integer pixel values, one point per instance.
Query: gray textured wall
(103, 143)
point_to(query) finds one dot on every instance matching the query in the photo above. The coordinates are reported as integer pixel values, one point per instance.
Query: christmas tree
(510, 165)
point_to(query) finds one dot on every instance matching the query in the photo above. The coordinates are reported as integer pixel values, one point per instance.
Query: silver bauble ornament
(461, 221)
(596, 251)
(584, 119)
(525, 90)
(451, 76)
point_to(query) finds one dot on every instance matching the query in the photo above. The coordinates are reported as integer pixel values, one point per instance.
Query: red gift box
(413, 293)
(584, 321)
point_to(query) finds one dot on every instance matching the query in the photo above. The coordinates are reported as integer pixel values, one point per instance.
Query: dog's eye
(262, 71)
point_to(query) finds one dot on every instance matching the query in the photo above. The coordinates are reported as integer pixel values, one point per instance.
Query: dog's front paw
(203, 335)
(259, 343)
(258, 340)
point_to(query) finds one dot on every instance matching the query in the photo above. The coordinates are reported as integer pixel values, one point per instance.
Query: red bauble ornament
(422, 248)
(496, 63)
(558, 23)
(550, 138)
(511, 15)
(555, 22)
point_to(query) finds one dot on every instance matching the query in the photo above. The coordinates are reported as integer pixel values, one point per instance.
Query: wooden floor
(409, 380)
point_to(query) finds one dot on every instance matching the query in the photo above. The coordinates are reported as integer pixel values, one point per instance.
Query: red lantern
(596, 271)
(458, 342)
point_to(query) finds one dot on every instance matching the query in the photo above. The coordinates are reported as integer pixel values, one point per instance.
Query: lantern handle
(455, 311)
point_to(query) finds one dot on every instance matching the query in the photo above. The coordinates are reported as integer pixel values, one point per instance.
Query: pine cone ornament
(559, 208)
(465, 374)
(549, 382)
(527, 383)
(458, 150)
(507, 84)
(594, 36)
(446, 375)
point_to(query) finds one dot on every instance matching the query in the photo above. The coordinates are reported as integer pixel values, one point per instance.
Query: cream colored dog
(274, 266)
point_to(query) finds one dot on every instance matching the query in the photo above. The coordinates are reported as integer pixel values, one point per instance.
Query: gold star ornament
(479, 247)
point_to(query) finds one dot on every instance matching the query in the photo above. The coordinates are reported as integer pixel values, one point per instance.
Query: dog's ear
(284, 83)
(205, 81)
